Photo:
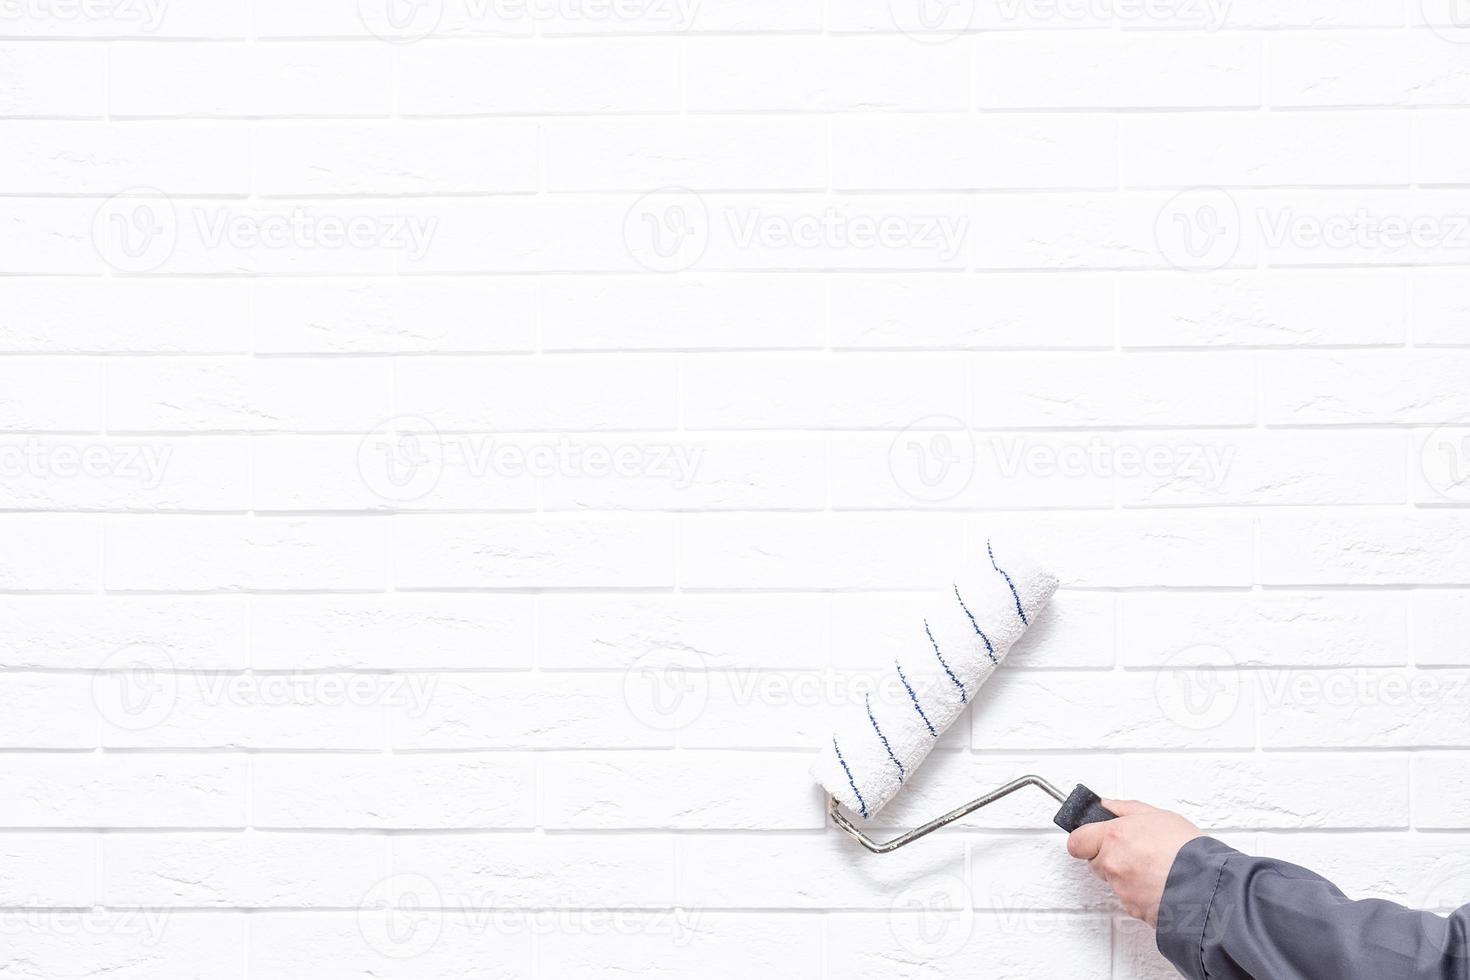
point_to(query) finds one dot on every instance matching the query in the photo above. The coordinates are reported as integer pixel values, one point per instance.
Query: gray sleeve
(1230, 916)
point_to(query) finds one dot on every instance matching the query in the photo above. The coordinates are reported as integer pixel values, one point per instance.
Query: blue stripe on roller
(989, 650)
(868, 703)
(1014, 594)
(914, 698)
(963, 697)
(862, 804)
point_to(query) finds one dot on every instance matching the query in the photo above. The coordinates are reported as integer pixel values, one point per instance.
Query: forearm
(1229, 916)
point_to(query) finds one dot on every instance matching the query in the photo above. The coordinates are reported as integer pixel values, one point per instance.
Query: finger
(1127, 808)
(1095, 866)
(1085, 842)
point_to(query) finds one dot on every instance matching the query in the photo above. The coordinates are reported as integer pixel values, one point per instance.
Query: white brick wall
(451, 451)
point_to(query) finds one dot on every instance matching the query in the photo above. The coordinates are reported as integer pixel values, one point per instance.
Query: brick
(394, 469)
(820, 391)
(403, 157)
(392, 632)
(1440, 308)
(127, 943)
(49, 871)
(1353, 387)
(1362, 708)
(922, 152)
(933, 464)
(511, 77)
(1275, 791)
(53, 237)
(137, 474)
(82, 632)
(230, 554)
(59, 81)
(806, 871)
(1440, 621)
(1356, 228)
(1193, 149)
(1117, 71)
(1109, 389)
(702, 313)
(255, 870)
(816, 552)
(1182, 709)
(246, 80)
(541, 871)
(514, 553)
(133, 21)
(974, 313)
(677, 943)
(46, 394)
(456, 792)
(46, 711)
(1265, 629)
(92, 158)
(731, 153)
(261, 711)
(246, 394)
(1210, 468)
(702, 472)
(123, 316)
(1440, 799)
(394, 316)
(503, 710)
(703, 632)
(50, 553)
(1132, 548)
(1276, 308)
(399, 933)
(84, 791)
(1388, 549)
(540, 394)
(1407, 68)
(718, 791)
(826, 75)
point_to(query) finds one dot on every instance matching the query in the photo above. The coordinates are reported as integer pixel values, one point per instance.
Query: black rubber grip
(1082, 807)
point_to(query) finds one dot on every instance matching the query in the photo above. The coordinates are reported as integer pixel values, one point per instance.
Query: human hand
(1134, 853)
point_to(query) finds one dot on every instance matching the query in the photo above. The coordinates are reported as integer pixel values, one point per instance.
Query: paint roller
(959, 640)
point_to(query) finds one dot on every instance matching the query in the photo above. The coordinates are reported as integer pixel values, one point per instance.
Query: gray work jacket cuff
(1184, 914)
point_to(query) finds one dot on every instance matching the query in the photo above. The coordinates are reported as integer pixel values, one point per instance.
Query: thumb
(1127, 808)
(1086, 841)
